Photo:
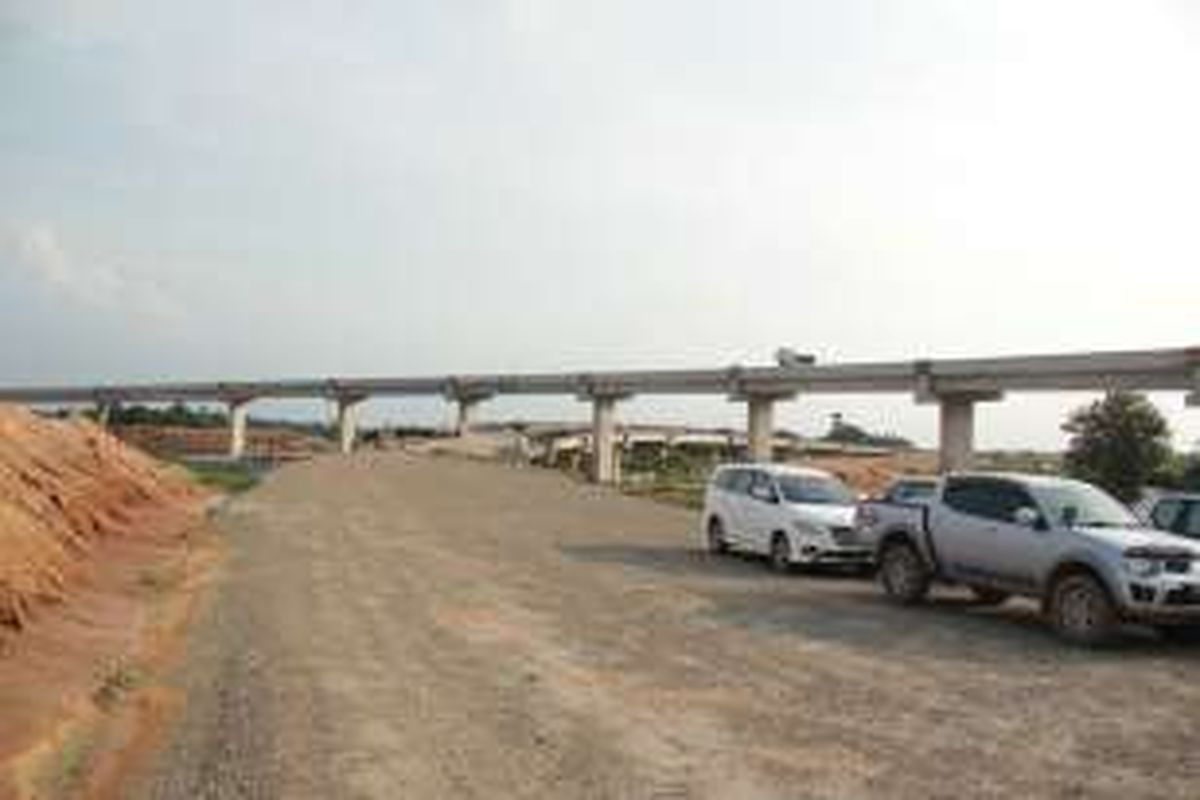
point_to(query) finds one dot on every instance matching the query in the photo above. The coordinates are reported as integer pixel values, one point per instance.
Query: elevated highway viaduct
(954, 385)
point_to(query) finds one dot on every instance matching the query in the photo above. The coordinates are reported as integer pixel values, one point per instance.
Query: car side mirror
(1070, 515)
(1027, 517)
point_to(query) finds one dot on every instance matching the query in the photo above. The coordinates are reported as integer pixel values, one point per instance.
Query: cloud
(94, 284)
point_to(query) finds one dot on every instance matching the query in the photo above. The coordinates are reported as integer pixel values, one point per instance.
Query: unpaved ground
(393, 626)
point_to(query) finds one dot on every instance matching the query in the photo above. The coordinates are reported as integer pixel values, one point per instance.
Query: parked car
(792, 515)
(1066, 543)
(1176, 513)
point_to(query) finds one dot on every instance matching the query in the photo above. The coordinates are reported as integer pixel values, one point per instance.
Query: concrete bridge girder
(955, 384)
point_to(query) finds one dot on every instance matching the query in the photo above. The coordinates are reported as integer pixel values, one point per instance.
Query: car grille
(1182, 596)
(844, 536)
(1178, 566)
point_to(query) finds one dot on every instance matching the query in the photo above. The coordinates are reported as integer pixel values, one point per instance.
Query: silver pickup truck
(1066, 543)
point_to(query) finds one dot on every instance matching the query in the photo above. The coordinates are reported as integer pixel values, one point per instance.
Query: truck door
(976, 538)
(1019, 553)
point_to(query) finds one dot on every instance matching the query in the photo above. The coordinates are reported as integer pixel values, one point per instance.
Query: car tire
(1081, 611)
(903, 574)
(987, 596)
(717, 543)
(779, 559)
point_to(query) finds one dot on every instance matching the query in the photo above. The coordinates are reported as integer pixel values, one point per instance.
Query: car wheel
(780, 557)
(717, 543)
(1081, 610)
(903, 574)
(987, 596)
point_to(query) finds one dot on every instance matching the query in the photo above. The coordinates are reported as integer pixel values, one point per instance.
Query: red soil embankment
(64, 486)
(101, 551)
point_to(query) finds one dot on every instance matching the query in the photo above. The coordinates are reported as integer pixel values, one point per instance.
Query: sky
(263, 189)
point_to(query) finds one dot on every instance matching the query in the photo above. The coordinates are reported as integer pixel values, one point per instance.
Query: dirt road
(390, 626)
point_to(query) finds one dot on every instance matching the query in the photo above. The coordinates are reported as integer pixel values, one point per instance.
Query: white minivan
(792, 515)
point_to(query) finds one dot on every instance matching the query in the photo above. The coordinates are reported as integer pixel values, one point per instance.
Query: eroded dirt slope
(64, 486)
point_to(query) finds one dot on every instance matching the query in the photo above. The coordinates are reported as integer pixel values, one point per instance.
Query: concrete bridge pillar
(956, 419)
(956, 429)
(604, 440)
(956, 433)
(237, 428)
(760, 427)
(468, 408)
(606, 462)
(104, 412)
(760, 423)
(347, 422)
(1192, 400)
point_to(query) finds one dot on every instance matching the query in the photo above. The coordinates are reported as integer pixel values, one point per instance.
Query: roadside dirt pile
(64, 486)
(872, 474)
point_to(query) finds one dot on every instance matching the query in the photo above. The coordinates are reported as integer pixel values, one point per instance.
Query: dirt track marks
(401, 627)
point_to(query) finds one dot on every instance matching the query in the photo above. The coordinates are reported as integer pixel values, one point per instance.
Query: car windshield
(1093, 508)
(814, 489)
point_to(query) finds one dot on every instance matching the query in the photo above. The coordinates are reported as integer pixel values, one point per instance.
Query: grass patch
(229, 477)
(118, 680)
(687, 495)
(65, 774)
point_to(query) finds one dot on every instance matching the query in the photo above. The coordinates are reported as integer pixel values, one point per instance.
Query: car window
(724, 478)
(815, 489)
(1090, 506)
(1165, 514)
(967, 496)
(908, 491)
(758, 478)
(988, 498)
(733, 480)
(1191, 521)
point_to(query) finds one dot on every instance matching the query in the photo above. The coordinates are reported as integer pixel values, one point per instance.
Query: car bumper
(817, 554)
(1164, 600)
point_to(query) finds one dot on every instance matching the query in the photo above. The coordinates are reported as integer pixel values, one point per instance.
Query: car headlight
(1144, 567)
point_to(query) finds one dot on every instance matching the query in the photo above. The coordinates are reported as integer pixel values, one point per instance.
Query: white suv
(792, 515)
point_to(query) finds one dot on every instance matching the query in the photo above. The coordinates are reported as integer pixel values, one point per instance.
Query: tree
(1118, 442)
(844, 432)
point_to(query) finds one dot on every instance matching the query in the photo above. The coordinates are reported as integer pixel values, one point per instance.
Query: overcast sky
(277, 188)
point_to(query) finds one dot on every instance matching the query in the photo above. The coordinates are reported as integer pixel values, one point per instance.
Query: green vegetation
(230, 477)
(1181, 473)
(64, 776)
(174, 415)
(120, 679)
(688, 495)
(673, 475)
(1120, 443)
(842, 432)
